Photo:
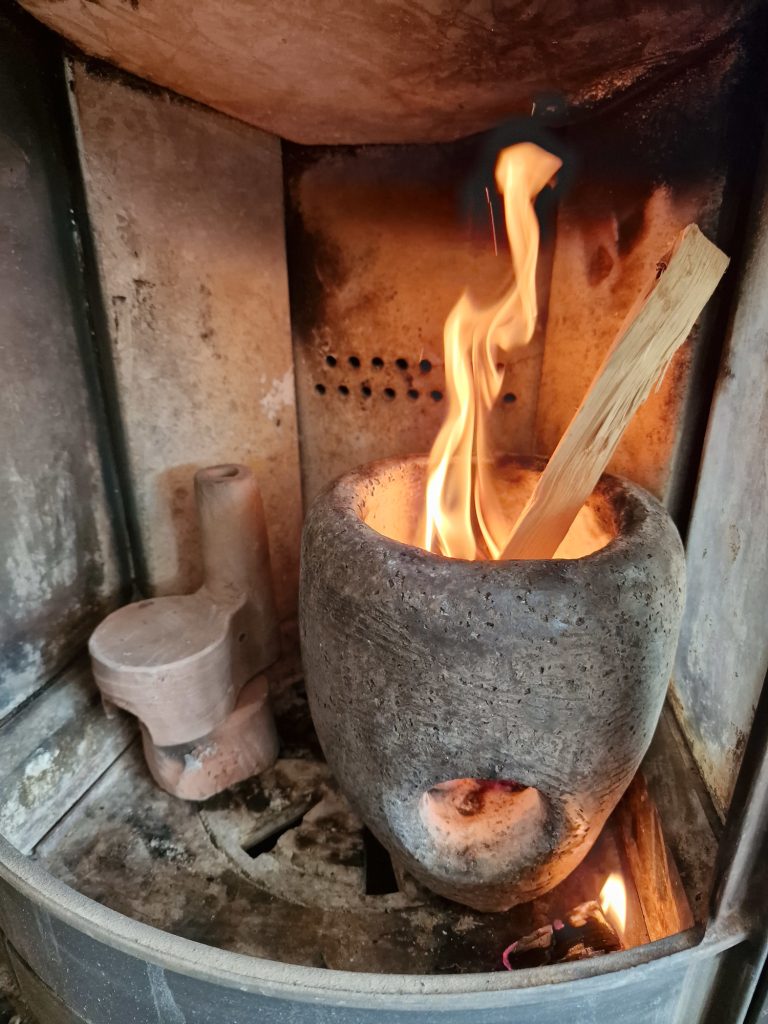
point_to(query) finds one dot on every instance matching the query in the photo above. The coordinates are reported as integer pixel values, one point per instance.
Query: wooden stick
(658, 324)
(664, 904)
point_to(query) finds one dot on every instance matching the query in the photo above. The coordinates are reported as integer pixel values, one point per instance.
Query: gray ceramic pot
(485, 717)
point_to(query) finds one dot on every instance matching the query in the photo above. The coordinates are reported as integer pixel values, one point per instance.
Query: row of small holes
(377, 362)
(389, 393)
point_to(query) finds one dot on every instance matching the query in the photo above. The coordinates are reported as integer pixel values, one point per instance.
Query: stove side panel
(722, 658)
(62, 562)
(186, 214)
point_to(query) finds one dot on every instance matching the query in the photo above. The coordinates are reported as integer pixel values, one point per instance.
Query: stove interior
(188, 286)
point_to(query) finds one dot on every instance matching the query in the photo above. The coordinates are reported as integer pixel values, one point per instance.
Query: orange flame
(613, 900)
(463, 517)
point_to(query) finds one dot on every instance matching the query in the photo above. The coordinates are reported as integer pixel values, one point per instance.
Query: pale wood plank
(662, 898)
(691, 826)
(655, 328)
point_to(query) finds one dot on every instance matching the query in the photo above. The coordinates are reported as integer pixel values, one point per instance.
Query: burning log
(657, 326)
(589, 929)
(664, 907)
(584, 933)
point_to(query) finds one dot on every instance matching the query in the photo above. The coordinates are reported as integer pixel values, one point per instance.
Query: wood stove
(260, 278)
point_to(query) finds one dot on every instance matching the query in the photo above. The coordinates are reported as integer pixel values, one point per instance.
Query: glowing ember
(613, 900)
(463, 517)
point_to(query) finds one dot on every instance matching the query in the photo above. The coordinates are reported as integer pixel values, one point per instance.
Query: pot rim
(632, 516)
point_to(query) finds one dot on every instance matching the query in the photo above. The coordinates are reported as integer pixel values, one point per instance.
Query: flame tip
(463, 516)
(613, 901)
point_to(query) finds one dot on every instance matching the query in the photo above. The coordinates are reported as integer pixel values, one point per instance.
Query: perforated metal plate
(382, 241)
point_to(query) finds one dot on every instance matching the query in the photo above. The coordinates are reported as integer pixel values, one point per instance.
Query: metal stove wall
(185, 209)
(63, 561)
(383, 239)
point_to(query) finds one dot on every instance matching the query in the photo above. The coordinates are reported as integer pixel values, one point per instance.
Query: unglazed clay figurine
(180, 664)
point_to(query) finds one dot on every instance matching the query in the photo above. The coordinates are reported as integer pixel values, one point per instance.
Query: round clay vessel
(484, 718)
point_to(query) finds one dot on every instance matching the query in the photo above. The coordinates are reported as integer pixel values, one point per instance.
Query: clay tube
(235, 554)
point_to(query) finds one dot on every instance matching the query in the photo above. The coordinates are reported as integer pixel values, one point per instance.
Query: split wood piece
(658, 324)
(244, 744)
(662, 898)
(179, 663)
(584, 932)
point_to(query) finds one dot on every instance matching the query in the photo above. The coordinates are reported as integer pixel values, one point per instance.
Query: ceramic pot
(484, 718)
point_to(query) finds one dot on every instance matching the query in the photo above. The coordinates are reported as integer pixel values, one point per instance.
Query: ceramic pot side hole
(484, 718)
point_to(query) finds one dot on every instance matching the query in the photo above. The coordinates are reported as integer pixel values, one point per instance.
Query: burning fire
(613, 900)
(463, 517)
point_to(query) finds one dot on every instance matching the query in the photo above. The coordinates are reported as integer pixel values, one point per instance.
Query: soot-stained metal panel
(394, 71)
(722, 658)
(187, 216)
(637, 176)
(59, 567)
(382, 241)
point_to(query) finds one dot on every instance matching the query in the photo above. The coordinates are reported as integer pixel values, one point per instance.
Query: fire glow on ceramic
(463, 517)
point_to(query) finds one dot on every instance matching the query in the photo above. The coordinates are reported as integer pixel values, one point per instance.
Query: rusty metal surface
(59, 564)
(380, 247)
(382, 241)
(186, 212)
(640, 174)
(394, 71)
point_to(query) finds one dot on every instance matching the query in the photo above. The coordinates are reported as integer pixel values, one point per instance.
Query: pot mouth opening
(483, 821)
(393, 498)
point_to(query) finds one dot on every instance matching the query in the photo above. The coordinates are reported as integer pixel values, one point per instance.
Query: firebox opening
(473, 817)
(394, 504)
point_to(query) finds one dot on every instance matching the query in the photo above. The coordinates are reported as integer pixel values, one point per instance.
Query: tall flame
(613, 900)
(463, 517)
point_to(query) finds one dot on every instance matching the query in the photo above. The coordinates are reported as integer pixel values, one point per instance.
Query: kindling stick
(655, 328)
